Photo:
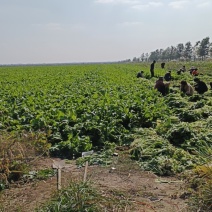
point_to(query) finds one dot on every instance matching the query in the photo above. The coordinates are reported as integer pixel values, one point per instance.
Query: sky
(74, 31)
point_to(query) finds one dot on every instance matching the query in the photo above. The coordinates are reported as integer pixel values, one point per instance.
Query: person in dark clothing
(200, 86)
(179, 71)
(161, 86)
(140, 74)
(163, 65)
(168, 76)
(152, 67)
(183, 69)
(211, 85)
(191, 69)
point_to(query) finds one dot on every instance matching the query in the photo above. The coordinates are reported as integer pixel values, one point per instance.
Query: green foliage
(179, 133)
(45, 174)
(176, 101)
(155, 153)
(209, 121)
(72, 147)
(195, 98)
(103, 157)
(198, 104)
(165, 166)
(189, 115)
(42, 174)
(79, 196)
(78, 107)
(2, 186)
(162, 126)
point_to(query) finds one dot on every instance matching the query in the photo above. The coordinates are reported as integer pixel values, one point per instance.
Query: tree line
(184, 52)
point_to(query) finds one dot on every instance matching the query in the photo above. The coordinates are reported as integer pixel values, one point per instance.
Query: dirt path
(145, 191)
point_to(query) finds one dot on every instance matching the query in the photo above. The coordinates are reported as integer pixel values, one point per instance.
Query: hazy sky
(57, 31)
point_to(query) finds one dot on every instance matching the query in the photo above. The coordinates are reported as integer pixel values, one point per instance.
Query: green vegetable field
(83, 107)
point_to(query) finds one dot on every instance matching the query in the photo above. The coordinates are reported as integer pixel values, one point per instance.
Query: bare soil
(145, 191)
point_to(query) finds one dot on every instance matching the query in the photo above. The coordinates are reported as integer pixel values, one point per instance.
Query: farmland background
(77, 108)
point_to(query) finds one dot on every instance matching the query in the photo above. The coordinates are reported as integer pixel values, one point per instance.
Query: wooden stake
(59, 178)
(86, 169)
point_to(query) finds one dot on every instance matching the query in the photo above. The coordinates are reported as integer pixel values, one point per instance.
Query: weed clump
(200, 183)
(81, 196)
(178, 134)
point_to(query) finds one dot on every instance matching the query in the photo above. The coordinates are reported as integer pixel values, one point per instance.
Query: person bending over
(162, 87)
(168, 76)
(140, 74)
(163, 65)
(186, 88)
(200, 86)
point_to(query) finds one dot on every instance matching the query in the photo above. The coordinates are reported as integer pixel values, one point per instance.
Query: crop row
(84, 107)
(78, 107)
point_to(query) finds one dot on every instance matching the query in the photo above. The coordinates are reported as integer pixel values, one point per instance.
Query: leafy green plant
(195, 98)
(179, 133)
(45, 174)
(155, 153)
(71, 109)
(198, 104)
(79, 196)
(2, 186)
(42, 174)
(103, 158)
(189, 115)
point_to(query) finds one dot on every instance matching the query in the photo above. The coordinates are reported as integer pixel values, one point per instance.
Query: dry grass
(201, 198)
(16, 153)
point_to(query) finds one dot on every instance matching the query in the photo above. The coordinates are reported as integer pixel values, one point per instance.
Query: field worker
(183, 69)
(179, 71)
(152, 68)
(191, 69)
(186, 88)
(168, 76)
(161, 86)
(200, 86)
(140, 74)
(195, 72)
(163, 65)
(211, 85)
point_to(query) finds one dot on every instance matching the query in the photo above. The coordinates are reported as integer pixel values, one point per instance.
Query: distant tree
(203, 48)
(126, 61)
(179, 50)
(142, 57)
(166, 54)
(146, 57)
(161, 54)
(157, 53)
(174, 53)
(200, 50)
(188, 51)
(171, 53)
(153, 56)
(210, 49)
(195, 49)
(135, 59)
